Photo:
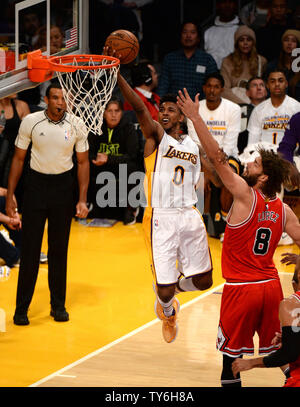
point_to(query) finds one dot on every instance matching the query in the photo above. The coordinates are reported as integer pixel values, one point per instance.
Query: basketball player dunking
(175, 233)
(257, 218)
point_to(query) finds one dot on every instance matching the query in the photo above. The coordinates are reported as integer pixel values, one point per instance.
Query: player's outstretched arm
(234, 183)
(149, 127)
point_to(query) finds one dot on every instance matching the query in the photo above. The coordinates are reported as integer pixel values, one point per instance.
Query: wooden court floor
(113, 338)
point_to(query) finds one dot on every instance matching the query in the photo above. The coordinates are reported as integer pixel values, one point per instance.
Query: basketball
(125, 44)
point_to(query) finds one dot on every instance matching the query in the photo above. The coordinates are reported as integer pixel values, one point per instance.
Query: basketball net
(87, 92)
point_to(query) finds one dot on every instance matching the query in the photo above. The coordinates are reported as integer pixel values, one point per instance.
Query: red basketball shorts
(247, 308)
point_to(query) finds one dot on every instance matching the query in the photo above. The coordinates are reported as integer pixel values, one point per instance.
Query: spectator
(257, 93)
(219, 39)
(30, 23)
(56, 39)
(186, 67)
(291, 139)
(290, 40)
(270, 118)
(9, 250)
(238, 67)
(117, 145)
(223, 120)
(15, 110)
(222, 117)
(255, 14)
(269, 37)
(289, 148)
(144, 80)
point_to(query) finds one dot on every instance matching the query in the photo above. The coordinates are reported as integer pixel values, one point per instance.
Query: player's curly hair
(168, 97)
(276, 168)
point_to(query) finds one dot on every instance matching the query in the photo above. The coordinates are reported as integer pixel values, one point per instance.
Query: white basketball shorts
(177, 242)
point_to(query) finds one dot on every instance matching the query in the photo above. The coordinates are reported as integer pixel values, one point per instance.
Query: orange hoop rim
(59, 63)
(41, 67)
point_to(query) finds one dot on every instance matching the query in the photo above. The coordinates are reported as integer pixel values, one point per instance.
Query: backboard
(57, 27)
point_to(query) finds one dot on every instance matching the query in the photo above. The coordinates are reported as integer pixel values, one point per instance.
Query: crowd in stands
(245, 72)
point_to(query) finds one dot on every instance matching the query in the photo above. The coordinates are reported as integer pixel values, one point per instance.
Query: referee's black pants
(46, 197)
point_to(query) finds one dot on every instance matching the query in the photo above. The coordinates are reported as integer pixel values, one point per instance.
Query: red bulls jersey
(249, 246)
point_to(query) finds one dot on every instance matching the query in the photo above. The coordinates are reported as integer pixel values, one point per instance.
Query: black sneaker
(130, 216)
(59, 316)
(21, 319)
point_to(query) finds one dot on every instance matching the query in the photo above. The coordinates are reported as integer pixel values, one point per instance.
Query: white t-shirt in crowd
(224, 124)
(219, 39)
(268, 123)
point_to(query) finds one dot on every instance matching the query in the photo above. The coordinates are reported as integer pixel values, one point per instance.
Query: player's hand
(15, 222)
(11, 206)
(100, 159)
(110, 52)
(276, 341)
(294, 178)
(81, 210)
(240, 365)
(289, 258)
(189, 108)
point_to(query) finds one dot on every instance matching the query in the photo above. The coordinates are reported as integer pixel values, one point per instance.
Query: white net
(87, 92)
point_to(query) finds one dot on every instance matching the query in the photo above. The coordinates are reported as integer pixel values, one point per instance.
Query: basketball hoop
(87, 82)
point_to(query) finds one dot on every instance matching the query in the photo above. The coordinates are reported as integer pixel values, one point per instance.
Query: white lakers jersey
(268, 123)
(172, 173)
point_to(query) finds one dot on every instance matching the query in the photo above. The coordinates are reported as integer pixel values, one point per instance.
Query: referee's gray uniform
(48, 195)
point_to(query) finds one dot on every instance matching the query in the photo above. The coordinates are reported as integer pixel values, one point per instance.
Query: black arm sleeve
(289, 351)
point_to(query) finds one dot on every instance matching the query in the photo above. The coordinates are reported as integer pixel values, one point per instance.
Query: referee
(48, 195)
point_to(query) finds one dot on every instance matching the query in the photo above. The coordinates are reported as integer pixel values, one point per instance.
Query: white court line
(110, 345)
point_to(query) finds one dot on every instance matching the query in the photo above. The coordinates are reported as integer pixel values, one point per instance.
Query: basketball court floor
(113, 338)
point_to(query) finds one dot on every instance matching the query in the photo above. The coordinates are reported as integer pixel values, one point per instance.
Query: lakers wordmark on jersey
(172, 173)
